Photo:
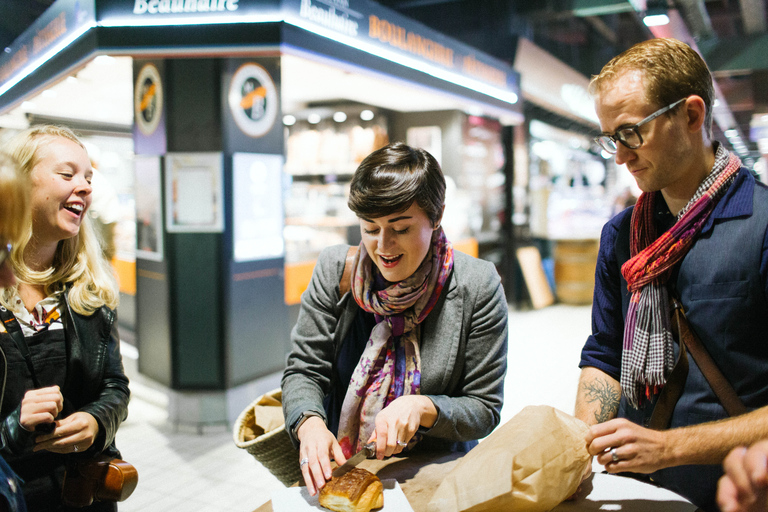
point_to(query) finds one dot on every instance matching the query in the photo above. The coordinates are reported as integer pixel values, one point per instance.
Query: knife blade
(367, 451)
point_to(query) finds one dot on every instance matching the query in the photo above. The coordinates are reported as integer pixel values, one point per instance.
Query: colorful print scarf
(390, 366)
(648, 352)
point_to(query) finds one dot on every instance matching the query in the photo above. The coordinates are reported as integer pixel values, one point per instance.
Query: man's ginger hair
(671, 70)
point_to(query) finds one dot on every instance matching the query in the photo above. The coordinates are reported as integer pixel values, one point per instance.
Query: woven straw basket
(260, 430)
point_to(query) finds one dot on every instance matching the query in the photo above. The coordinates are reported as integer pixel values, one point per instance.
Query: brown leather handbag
(102, 478)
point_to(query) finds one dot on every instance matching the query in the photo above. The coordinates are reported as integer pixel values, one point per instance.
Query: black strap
(17, 335)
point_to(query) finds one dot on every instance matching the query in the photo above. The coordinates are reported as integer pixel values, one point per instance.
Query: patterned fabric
(390, 366)
(648, 353)
(45, 315)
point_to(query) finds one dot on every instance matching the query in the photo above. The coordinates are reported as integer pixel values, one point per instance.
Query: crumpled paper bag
(267, 416)
(531, 463)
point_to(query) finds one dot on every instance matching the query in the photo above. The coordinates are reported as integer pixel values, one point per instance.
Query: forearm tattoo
(605, 395)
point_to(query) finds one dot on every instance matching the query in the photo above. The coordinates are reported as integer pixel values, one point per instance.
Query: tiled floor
(182, 471)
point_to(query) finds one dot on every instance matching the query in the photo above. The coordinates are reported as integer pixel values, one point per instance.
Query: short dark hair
(671, 70)
(390, 179)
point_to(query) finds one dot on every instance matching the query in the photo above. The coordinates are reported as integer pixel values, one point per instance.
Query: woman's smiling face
(398, 243)
(61, 189)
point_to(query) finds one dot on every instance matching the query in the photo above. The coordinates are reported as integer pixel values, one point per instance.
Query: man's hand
(744, 487)
(637, 449)
(75, 433)
(317, 446)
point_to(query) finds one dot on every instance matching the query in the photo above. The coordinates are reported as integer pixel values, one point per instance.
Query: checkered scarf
(648, 355)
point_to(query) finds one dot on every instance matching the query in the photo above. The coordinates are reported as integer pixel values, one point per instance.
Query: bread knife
(368, 451)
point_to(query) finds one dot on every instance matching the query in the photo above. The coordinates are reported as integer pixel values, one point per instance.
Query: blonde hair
(14, 200)
(671, 70)
(78, 263)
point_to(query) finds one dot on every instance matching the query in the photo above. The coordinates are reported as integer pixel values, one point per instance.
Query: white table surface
(611, 492)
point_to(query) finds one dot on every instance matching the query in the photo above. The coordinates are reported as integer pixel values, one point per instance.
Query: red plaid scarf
(647, 356)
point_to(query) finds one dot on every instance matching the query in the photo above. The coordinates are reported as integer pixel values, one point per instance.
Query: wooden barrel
(575, 262)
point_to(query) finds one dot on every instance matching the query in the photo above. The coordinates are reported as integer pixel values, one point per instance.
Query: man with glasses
(697, 235)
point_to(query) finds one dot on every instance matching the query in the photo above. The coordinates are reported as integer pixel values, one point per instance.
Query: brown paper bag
(531, 463)
(267, 416)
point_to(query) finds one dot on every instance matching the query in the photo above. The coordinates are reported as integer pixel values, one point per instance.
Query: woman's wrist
(428, 412)
(309, 423)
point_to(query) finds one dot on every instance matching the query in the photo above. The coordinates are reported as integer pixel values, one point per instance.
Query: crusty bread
(356, 491)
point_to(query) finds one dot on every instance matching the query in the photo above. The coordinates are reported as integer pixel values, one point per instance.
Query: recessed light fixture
(339, 117)
(313, 118)
(289, 120)
(366, 115)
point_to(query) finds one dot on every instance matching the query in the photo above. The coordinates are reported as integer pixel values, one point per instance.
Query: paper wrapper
(531, 463)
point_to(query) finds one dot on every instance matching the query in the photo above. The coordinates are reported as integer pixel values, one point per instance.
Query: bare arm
(597, 399)
(642, 450)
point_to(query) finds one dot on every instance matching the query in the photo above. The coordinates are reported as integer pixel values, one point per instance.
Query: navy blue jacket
(722, 285)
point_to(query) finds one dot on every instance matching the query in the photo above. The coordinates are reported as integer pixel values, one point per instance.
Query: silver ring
(402, 444)
(614, 455)
(303, 461)
(74, 447)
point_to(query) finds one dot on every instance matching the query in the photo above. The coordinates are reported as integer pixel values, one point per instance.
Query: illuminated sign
(253, 99)
(148, 99)
(367, 26)
(59, 26)
(360, 24)
(179, 6)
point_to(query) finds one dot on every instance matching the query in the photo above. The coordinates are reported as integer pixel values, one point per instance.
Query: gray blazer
(463, 347)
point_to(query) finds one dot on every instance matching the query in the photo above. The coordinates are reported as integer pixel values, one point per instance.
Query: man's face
(660, 162)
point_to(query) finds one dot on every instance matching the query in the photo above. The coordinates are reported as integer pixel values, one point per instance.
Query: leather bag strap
(345, 283)
(17, 335)
(662, 413)
(673, 389)
(720, 385)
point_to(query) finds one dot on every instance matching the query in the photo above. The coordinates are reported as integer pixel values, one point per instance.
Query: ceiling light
(49, 93)
(71, 80)
(313, 118)
(104, 59)
(339, 117)
(656, 13)
(289, 120)
(366, 115)
(732, 132)
(656, 20)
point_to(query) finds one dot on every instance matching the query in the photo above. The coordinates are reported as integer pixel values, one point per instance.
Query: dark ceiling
(583, 33)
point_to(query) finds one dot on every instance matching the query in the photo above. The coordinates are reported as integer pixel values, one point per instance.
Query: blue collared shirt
(604, 346)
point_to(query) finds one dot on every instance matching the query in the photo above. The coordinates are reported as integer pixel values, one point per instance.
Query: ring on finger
(614, 455)
(74, 447)
(402, 444)
(303, 462)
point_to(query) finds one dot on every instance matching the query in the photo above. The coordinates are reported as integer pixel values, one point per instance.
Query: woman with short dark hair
(400, 341)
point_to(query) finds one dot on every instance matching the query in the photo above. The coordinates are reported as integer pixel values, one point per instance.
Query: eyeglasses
(630, 136)
(5, 251)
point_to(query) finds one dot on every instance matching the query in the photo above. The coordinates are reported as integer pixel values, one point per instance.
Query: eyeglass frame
(614, 137)
(5, 252)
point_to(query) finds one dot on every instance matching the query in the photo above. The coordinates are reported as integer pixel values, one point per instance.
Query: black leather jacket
(95, 383)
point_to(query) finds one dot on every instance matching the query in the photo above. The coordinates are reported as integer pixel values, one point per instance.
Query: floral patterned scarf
(390, 366)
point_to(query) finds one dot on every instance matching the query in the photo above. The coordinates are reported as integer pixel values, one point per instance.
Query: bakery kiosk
(228, 97)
